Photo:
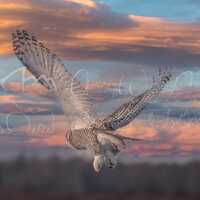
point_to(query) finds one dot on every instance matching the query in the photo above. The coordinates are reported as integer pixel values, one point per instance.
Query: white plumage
(96, 136)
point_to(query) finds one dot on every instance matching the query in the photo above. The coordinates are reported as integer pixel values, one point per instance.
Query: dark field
(53, 178)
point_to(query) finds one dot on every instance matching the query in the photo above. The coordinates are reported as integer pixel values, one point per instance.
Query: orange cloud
(11, 104)
(46, 131)
(11, 5)
(140, 130)
(53, 140)
(4, 24)
(80, 33)
(99, 85)
(8, 98)
(31, 89)
(150, 32)
(84, 2)
(195, 104)
(4, 99)
(163, 137)
(5, 49)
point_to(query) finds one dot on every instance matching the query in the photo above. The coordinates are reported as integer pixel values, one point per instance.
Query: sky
(114, 47)
(178, 10)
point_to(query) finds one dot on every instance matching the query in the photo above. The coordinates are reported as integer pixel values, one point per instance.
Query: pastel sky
(115, 47)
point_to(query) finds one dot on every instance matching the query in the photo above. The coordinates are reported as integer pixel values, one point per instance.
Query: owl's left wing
(128, 111)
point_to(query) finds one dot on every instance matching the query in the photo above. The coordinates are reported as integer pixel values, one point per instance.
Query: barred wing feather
(128, 111)
(50, 72)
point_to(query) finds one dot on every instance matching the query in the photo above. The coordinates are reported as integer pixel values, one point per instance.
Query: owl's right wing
(50, 72)
(129, 111)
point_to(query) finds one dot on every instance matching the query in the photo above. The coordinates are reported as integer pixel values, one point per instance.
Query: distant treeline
(55, 176)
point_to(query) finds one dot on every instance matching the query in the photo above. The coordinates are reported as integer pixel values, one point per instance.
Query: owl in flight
(95, 135)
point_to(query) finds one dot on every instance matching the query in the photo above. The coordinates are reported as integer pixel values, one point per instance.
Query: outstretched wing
(50, 72)
(128, 111)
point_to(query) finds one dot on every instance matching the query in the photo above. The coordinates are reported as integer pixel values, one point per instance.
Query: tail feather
(116, 139)
(130, 139)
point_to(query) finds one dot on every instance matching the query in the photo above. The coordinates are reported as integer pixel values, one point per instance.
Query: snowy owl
(95, 135)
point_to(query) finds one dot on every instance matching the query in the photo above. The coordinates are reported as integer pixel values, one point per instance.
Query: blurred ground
(54, 178)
